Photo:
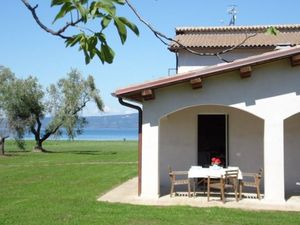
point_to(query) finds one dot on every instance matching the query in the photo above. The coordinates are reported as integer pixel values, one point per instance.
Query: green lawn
(61, 187)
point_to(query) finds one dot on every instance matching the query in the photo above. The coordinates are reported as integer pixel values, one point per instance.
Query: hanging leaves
(93, 43)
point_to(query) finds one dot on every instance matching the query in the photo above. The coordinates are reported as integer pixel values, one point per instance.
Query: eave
(242, 66)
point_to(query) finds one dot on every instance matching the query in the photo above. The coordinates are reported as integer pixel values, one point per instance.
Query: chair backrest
(260, 172)
(258, 176)
(171, 175)
(231, 176)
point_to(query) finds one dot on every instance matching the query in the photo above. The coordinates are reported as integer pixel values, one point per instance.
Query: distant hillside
(110, 121)
(113, 121)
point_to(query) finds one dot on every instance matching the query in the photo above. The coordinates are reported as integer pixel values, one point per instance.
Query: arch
(212, 105)
(292, 155)
(178, 139)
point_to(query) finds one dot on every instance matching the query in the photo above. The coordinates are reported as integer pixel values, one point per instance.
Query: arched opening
(292, 155)
(179, 140)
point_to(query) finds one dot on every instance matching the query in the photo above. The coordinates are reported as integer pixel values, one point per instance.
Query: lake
(103, 134)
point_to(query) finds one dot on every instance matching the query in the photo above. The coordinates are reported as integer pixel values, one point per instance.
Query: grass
(61, 187)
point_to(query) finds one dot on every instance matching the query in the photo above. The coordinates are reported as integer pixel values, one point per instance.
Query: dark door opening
(211, 139)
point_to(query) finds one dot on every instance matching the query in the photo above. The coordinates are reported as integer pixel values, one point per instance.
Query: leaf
(108, 53)
(59, 2)
(100, 55)
(105, 21)
(92, 43)
(121, 29)
(93, 9)
(73, 40)
(82, 10)
(120, 2)
(272, 31)
(131, 25)
(67, 7)
(86, 57)
(108, 7)
(101, 37)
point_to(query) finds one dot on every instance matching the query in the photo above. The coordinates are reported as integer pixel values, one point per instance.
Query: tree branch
(53, 131)
(45, 28)
(163, 38)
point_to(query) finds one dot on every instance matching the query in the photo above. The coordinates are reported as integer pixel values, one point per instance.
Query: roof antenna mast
(232, 10)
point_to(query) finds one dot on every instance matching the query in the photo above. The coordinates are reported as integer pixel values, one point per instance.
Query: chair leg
(236, 193)
(222, 190)
(223, 195)
(204, 183)
(258, 193)
(208, 189)
(194, 186)
(241, 191)
(172, 189)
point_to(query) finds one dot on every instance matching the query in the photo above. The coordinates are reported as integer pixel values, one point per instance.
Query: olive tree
(6, 78)
(3, 133)
(26, 104)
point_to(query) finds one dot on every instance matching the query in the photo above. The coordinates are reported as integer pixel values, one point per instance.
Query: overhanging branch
(164, 38)
(44, 27)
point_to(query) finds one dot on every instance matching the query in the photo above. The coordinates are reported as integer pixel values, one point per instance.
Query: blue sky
(27, 50)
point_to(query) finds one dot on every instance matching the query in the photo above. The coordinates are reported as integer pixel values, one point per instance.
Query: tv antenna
(232, 10)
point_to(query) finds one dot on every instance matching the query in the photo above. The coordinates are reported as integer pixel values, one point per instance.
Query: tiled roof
(134, 92)
(229, 36)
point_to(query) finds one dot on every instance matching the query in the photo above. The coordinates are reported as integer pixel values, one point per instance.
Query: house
(244, 110)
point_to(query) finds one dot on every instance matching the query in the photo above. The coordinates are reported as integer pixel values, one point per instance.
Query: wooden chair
(199, 182)
(178, 178)
(251, 180)
(227, 181)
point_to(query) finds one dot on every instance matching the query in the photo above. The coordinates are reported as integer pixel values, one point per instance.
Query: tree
(6, 77)
(80, 14)
(26, 104)
(3, 134)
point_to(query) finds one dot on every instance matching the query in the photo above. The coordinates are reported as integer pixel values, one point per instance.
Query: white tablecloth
(200, 172)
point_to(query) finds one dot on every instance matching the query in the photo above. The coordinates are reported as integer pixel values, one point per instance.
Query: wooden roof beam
(295, 60)
(196, 83)
(245, 71)
(148, 94)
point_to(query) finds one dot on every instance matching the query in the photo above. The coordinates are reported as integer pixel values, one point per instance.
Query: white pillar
(274, 160)
(150, 178)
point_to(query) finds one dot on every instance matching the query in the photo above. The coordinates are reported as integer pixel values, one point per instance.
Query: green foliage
(101, 11)
(272, 31)
(25, 104)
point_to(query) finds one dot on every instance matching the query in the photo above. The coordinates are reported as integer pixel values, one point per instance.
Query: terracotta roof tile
(229, 36)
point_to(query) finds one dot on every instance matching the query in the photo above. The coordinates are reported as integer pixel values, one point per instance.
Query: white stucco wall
(178, 140)
(292, 154)
(271, 93)
(188, 61)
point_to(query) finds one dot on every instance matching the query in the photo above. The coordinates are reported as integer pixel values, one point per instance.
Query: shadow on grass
(82, 152)
(14, 153)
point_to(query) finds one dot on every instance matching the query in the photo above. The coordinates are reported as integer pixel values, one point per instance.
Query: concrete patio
(127, 193)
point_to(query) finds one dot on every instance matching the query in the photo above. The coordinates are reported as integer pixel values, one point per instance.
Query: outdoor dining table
(196, 172)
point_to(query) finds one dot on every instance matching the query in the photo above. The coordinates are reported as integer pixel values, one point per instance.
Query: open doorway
(212, 139)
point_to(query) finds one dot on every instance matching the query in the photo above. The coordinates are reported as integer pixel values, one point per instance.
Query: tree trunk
(2, 141)
(39, 146)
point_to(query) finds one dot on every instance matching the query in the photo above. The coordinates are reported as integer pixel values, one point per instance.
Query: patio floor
(127, 193)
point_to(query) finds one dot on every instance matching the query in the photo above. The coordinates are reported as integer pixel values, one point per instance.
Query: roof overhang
(145, 91)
